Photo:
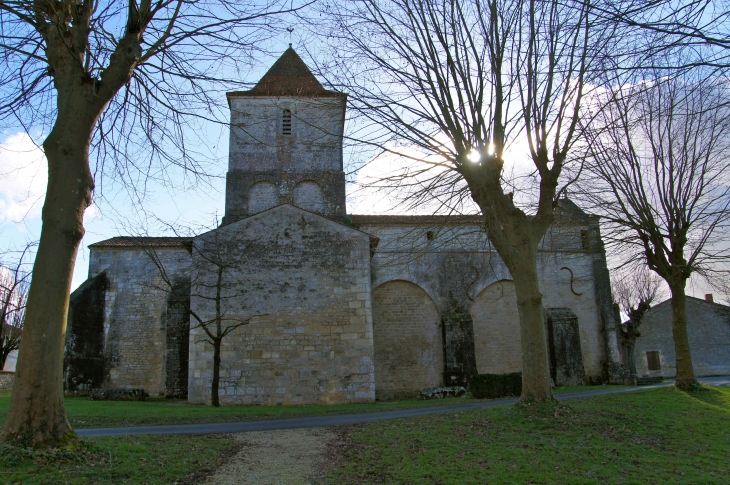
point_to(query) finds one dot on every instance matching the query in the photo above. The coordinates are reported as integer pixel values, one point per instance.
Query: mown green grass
(85, 413)
(120, 460)
(654, 436)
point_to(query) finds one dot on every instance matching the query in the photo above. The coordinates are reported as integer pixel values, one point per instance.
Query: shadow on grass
(709, 395)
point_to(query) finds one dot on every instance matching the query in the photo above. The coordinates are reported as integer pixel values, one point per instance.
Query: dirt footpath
(280, 457)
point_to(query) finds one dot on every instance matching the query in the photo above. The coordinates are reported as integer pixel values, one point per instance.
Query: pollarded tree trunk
(535, 362)
(516, 236)
(37, 416)
(216, 372)
(685, 371)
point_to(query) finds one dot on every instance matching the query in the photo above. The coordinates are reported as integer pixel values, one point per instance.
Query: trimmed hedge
(490, 386)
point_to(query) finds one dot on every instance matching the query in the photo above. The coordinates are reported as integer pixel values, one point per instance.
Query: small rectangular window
(652, 360)
(286, 123)
(584, 239)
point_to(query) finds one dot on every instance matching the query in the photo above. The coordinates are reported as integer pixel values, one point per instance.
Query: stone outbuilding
(339, 307)
(708, 330)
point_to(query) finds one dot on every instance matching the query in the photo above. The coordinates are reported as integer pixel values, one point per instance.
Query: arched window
(286, 123)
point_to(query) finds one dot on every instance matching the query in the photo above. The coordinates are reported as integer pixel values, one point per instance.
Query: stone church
(337, 307)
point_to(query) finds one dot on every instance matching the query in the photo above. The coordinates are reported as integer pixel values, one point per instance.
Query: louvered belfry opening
(286, 123)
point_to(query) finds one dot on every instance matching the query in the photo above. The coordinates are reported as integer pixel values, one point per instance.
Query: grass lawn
(84, 413)
(121, 460)
(654, 436)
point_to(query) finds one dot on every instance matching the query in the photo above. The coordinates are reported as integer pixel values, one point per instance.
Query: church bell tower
(286, 144)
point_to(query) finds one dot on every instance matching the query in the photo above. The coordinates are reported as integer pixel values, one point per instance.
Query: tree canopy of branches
(660, 176)
(450, 86)
(699, 28)
(115, 81)
(14, 283)
(212, 262)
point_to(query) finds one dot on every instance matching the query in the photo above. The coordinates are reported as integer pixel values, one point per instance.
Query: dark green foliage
(490, 386)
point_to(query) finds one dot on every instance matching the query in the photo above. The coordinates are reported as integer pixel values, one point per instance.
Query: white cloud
(23, 178)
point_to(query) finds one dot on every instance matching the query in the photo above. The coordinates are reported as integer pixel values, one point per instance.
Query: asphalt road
(321, 421)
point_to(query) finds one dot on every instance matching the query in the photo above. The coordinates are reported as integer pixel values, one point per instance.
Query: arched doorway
(407, 339)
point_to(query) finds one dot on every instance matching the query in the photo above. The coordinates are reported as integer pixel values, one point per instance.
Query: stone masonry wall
(310, 156)
(135, 346)
(83, 363)
(497, 330)
(708, 329)
(455, 263)
(7, 379)
(408, 341)
(305, 280)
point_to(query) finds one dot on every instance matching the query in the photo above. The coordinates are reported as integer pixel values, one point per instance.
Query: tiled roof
(364, 219)
(289, 76)
(137, 242)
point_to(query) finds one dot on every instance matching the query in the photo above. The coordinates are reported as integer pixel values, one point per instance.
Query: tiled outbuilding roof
(289, 76)
(363, 219)
(139, 242)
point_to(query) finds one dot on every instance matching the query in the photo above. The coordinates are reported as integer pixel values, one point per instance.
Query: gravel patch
(287, 456)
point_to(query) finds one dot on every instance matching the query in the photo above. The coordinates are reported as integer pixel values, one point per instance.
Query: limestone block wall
(249, 193)
(708, 329)
(408, 341)
(304, 163)
(497, 329)
(258, 143)
(7, 380)
(457, 267)
(305, 280)
(135, 346)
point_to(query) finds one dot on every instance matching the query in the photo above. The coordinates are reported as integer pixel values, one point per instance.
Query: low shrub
(490, 386)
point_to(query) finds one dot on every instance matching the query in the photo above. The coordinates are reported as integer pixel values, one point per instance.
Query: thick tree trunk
(216, 373)
(37, 416)
(685, 370)
(535, 363)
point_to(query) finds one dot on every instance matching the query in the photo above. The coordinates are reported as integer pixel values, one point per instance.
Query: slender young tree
(449, 86)
(211, 264)
(114, 82)
(660, 177)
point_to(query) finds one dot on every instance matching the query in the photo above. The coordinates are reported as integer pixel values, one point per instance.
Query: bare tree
(661, 179)
(449, 86)
(116, 81)
(634, 291)
(14, 283)
(700, 28)
(212, 263)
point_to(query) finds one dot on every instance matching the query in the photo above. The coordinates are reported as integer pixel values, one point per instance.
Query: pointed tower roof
(289, 76)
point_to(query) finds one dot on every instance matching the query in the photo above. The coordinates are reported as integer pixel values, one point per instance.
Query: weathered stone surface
(708, 330)
(84, 362)
(458, 267)
(442, 392)
(7, 379)
(408, 341)
(306, 281)
(497, 329)
(566, 358)
(136, 301)
(269, 166)
(118, 394)
(459, 353)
